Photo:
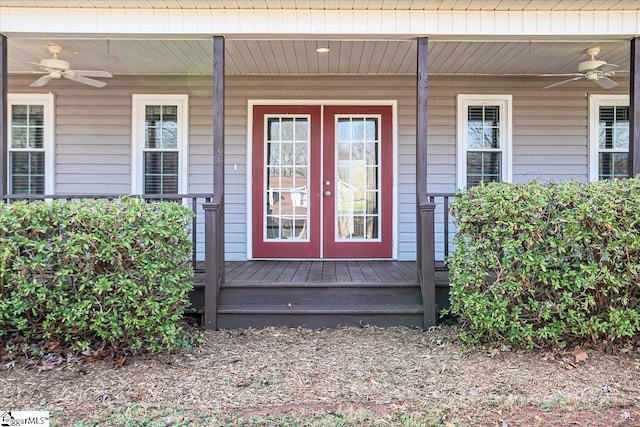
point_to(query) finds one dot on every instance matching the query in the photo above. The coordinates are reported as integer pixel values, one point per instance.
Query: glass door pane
(286, 186)
(357, 178)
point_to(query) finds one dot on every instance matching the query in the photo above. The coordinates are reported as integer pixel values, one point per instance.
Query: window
(30, 152)
(484, 139)
(160, 144)
(608, 137)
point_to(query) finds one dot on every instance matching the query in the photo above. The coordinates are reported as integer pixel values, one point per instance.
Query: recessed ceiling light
(323, 49)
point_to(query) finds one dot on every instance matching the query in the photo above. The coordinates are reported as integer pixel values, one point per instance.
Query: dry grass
(388, 376)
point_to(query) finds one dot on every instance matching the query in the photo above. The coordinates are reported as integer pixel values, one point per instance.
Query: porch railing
(444, 229)
(194, 201)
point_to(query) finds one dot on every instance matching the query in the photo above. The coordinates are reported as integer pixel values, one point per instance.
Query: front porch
(425, 72)
(318, 294)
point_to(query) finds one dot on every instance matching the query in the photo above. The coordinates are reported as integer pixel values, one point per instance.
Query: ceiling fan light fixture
(56, 68)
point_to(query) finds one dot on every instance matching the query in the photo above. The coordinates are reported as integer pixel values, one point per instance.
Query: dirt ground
(280, 371)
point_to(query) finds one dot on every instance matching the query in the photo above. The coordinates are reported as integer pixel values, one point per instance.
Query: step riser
(319, 296)
(196, 298)
(315, 321)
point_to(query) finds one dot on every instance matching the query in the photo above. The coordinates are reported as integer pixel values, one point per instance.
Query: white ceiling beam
(321, 24)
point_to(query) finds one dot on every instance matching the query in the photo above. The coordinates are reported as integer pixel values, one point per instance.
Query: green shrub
(545, 264)
(112, 272)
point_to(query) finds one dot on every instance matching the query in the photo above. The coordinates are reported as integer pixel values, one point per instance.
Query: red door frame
(331, 249)
(359, 249)
(278, 248)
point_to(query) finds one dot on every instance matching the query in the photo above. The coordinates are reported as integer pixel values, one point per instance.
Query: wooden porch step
(317, 294)
(317, 316)
(320, 309)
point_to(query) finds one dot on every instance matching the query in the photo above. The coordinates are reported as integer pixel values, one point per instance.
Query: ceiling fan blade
(563, 82)
(93, 73)
(86, 80)
(606, 83)
(41, 81)
(607, 67)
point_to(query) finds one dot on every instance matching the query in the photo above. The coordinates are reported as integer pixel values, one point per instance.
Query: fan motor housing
(54, 63)
(590, 65)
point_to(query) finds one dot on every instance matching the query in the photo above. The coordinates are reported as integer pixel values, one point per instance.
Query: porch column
(214, 212)
(218, 115)
(634, 104)
(4, 143)
(425, 209)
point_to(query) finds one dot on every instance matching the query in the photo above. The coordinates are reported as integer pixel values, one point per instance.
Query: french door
(322, 182)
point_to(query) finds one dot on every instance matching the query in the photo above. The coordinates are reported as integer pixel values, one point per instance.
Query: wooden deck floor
(329, 272)
(326, 272)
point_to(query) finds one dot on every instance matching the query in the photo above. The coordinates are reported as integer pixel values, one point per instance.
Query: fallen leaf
(580, 355)
(120, 361)
(448, 424)
(46, 366)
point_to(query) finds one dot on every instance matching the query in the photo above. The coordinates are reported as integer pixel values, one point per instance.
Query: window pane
(371, 130)
(613, 127)
(170, 184)
(273, 130)
(613, 165)
(169, 137)
(19, 115)
(152, 138)
(19, 137)
(483, 167)
(160, 172)
(344, 130)
(19, 163)
(36, 137)
(621, 165)
(27, 172)
(36, 115)
(357, 129)
(301, 129)
(152, 115)
(152, 163)
(170, 115)
(483, 127)
(287, 145)
(153, 184)
(286, 128)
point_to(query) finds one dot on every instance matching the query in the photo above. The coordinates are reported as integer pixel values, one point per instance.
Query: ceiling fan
(594, 70)
(57, 68)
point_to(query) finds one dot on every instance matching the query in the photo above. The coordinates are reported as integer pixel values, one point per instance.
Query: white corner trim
(47, 100)
(139, 101)
(443, 24)
(506, 117)
(595, 102)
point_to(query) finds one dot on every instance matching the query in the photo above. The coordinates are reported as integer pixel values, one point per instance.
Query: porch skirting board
(319, 294)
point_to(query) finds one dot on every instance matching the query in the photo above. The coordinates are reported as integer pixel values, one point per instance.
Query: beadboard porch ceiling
(298, 57)
(444, 5)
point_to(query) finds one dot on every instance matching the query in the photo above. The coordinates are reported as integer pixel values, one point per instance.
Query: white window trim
(47, 100)
(506, 119)
(139, 102)
(595, 102)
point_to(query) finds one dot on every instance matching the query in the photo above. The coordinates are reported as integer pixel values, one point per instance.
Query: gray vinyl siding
(93, 133)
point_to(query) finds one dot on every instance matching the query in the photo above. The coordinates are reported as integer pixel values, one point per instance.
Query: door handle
(327, 193)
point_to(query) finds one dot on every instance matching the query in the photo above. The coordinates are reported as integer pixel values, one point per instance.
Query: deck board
(316, 272)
